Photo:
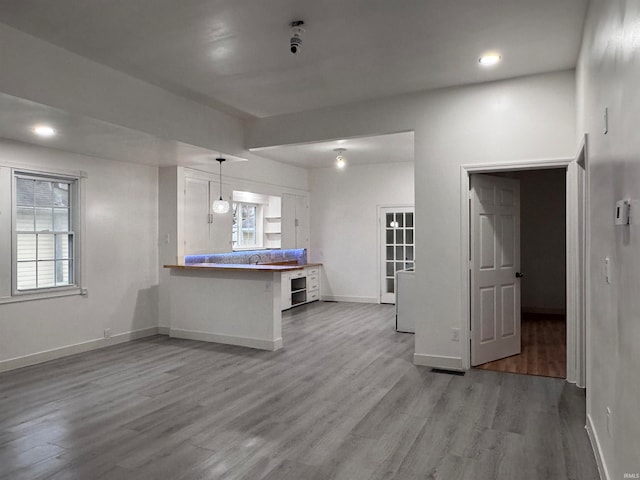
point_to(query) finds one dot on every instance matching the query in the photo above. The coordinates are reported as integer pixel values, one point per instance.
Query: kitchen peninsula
(236, 303)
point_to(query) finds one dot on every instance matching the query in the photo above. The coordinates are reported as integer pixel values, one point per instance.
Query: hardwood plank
(342, 400)
(544, 348)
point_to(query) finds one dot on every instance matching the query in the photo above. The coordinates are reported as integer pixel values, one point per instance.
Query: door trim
(581, 299)
(465, 242)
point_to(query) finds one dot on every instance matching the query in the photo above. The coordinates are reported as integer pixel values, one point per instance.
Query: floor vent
(450, 372)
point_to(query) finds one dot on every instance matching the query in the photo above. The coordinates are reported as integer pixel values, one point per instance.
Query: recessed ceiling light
(489, 59)
(44, 131)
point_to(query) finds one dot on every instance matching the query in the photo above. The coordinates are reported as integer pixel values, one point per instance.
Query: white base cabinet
(300, 287)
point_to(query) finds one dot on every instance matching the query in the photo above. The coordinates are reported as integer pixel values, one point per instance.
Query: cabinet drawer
(312, 271)
(312, 285)
(312, 279)
(297, 274)
(311, 296)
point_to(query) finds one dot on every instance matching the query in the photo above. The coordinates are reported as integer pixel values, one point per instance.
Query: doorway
(543, 302)
(397, 247)
(575, 322)
(541, 274)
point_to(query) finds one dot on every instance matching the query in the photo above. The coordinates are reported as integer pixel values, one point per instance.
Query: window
(44, 237)
(245, 232)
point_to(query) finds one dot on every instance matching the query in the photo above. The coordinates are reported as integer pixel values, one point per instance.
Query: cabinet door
(295, 221)
(302, 222)
(196, 216)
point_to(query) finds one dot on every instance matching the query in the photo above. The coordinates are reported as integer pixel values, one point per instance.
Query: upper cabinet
(204, 231)
(295, 221)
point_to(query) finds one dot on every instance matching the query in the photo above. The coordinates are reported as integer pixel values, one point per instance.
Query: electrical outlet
(455, 334)
(609, 420)
(107, 332)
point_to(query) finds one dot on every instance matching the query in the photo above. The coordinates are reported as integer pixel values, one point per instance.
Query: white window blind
(44, 235)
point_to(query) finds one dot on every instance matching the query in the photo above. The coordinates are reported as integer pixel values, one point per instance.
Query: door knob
(519, 274)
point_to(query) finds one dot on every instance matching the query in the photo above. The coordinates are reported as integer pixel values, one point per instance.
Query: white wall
(120, 260)
(607, 76)
(543, 240)
(522, 119)
(344, 224)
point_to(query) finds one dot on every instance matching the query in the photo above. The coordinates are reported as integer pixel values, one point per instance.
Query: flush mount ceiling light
(220, 205)
(341, 162)
(489, 59)
(44, 131)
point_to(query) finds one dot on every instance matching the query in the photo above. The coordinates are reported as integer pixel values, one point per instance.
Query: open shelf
(298, 297)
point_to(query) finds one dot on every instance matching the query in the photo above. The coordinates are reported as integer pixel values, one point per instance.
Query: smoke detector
(295, 42)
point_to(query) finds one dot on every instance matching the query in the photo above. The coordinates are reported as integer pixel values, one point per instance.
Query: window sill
(245, 249)
(27, 297)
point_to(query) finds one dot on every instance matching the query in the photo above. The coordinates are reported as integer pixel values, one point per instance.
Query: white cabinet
(295, 221)
(313, 283)
(300, 287)
(205, 232)
(196, 216)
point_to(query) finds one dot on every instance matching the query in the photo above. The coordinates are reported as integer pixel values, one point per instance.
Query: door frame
(379, 261)
(580, 300)
(575, 362)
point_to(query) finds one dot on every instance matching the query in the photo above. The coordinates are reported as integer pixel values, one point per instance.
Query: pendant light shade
(220, 205)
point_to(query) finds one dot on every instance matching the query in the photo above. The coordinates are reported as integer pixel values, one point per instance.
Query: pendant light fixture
(220, 205)
(341, 162)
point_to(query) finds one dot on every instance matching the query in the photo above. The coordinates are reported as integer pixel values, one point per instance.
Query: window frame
(75, 227)
(259, 243)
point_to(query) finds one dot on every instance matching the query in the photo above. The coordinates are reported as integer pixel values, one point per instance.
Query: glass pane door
(397, 229)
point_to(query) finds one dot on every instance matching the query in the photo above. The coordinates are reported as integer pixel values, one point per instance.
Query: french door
(397, 247)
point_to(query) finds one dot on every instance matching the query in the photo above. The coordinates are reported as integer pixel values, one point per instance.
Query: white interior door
(397, 242)
(495, 268)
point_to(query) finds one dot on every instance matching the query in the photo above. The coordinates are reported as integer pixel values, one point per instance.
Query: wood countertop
(243, 267)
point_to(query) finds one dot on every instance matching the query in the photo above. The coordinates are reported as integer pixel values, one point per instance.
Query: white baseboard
(344, 298)
(435, 361)
(544, 310)
(597, 451)
(257, 343)
(55, 353)
(164, 330)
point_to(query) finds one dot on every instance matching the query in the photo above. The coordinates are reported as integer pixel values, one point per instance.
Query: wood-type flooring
(342, 400)
(544, 348)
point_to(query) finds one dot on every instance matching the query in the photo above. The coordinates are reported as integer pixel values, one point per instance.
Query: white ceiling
(397, 147)
(88, 136)
(234, 54)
